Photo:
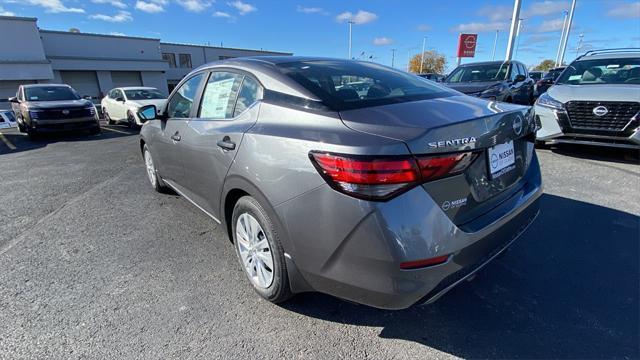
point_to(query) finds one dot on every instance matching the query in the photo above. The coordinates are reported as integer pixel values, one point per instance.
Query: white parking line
(115, 130)
(7, 142)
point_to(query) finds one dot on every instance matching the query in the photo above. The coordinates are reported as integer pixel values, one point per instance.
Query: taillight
(417, 264)
(380, 178)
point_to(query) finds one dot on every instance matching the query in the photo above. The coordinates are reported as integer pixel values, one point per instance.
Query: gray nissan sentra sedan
(387, 197)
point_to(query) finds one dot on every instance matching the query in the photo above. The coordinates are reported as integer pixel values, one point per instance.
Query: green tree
(545, 65)
(434, 62)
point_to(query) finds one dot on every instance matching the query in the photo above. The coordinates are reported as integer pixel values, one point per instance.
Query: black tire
(131, 120)
(509, 100)
(107, 118)
(33, 134)
(279, 290)
(96, 130)
(158, 185)
(540, 144)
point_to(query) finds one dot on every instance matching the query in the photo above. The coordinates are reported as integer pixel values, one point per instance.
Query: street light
(351, 22)
(424, 42)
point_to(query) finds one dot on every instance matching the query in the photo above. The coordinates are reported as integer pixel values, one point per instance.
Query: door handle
(176, 137)
(227, 144)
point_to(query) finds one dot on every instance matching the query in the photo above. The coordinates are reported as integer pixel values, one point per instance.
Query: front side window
(169, 58)
(219, 95)
(185, 61)
(144, 94)
(479, 73)
(602, 71)
(249, 93)
(182, 100)
(50, 93)
(349, 84)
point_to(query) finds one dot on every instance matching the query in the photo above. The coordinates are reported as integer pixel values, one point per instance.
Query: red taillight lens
(379, 178)
(417, 264)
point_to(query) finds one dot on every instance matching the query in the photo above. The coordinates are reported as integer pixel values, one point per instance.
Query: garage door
(8, 89)
(126, 78)
(85, 82)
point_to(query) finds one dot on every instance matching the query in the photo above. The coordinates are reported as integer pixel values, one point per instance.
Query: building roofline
(98, 35)
(20, 18)
(225, 48)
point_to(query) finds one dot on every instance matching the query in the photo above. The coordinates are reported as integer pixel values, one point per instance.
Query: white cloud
(121, 16)
(496, 13)
(243, 8)
(116, 3)
(546, 7)
(222, 14)
(116, 33)
(50, 6)
(312, 10)
(194, 5)
(423, 27)
(359, 18)
(552, 25)
(4, 12)
(381, 41)
(625, 10)
(149, 7)
(476, 27)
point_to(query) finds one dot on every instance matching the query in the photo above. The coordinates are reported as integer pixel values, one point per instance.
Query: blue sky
(319, 27)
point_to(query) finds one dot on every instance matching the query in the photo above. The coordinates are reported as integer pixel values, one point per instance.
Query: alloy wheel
(255, 252)
(151, 170)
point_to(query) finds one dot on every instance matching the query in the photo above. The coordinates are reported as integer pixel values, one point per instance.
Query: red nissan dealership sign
(467, 45)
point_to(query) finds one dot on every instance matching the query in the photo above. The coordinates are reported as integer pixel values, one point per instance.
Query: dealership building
(93, 64)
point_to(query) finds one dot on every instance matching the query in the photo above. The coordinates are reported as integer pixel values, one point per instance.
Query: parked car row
(46, 108)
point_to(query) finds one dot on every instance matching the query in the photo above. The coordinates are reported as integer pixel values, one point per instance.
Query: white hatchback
(122, 104)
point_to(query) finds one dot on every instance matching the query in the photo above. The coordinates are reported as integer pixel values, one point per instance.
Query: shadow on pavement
(22, 142)
(599, 153)
(568, 288)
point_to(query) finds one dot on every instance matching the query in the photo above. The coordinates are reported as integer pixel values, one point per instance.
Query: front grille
(619, 114)
(57, 114)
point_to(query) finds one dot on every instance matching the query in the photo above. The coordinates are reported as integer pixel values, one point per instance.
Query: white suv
(595, 101)
(122, 104)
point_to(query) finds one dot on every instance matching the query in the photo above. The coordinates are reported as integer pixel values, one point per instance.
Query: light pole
(350, 38)
(424, 42)
(566, 33)
(495, 42)
(393, 56)
(518, 36)
(515, 21)
(579, 44)
(564, 25)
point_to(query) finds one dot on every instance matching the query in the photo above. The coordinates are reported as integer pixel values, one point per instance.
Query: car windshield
(345, 85)
(50, 93)
(535, 75)
(144, 94)
(479, 73)
(602, 71)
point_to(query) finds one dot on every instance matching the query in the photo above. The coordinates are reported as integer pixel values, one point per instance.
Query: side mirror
(146, 113)
(13, 99)
(519, 78)
(121, 99)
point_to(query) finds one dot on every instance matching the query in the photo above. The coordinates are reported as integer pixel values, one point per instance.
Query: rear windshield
(50, 93)
(343, 85)
(553, 73)
(144, 94)
(602, 71)
(479, 73)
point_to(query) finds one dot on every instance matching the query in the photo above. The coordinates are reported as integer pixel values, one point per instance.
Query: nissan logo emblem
(65, 112)
(517, 125)
(600, 111)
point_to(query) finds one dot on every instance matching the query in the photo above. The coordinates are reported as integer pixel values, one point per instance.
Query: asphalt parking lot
(95, 264)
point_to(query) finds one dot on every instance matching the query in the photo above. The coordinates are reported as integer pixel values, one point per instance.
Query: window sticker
(216, 99)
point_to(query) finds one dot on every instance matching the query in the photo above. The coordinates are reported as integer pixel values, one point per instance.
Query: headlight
(92, 110)
(549, 102)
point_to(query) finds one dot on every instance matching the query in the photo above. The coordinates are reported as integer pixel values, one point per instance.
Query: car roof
(136, 88)
(610, 55)
(490, 63)
(44, 85)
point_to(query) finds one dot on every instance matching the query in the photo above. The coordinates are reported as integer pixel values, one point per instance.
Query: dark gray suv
(45, 108)
(386, 198)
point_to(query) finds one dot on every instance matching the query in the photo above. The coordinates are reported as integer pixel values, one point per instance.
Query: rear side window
(345, 85)
(219, 95)
(182, 100)
(250, 92)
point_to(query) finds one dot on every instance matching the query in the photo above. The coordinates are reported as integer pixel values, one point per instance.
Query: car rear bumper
(554, 130)
(362, 264)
